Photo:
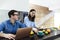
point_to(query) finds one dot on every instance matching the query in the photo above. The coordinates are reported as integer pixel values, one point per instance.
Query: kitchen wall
(53, 5)
(7, 5)
(21, 5)
(44, 16)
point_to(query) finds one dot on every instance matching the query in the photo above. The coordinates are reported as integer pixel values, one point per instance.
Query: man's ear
(11, 15)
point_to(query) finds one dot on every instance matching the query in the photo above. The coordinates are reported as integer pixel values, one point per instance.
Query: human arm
(2, 34)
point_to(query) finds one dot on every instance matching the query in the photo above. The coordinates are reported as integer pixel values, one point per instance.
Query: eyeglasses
(16, 14)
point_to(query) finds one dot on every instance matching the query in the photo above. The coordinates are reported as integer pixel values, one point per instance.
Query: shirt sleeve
(1, 27)
(26, 21)
(21, 25)
(34, 25)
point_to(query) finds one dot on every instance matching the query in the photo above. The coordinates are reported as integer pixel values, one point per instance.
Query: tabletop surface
(55, 35)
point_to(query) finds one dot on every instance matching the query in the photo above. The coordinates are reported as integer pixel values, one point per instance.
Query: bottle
(55, 32)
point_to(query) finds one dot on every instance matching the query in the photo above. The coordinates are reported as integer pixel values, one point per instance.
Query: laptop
(22, 32)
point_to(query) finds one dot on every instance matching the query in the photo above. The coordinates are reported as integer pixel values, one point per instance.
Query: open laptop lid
(23, 32)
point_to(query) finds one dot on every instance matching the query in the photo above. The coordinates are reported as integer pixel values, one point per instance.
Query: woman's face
(32, 13)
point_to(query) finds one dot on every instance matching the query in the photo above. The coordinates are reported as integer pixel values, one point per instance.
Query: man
(10, 26)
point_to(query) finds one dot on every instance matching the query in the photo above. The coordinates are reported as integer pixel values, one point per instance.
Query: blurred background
(48, 11)
(47, 15)
(7, 5)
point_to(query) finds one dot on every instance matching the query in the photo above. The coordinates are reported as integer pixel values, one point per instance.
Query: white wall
(21, 5)
(57, 18)
(6, 5)
(3, 15)
(52, 4)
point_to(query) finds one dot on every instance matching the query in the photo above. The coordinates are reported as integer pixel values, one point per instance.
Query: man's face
(16, 15)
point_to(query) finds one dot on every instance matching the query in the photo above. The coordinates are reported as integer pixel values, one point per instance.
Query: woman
(30, 19)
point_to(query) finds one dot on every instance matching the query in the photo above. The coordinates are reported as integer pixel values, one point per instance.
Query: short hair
(11, 12)
(32, 10)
